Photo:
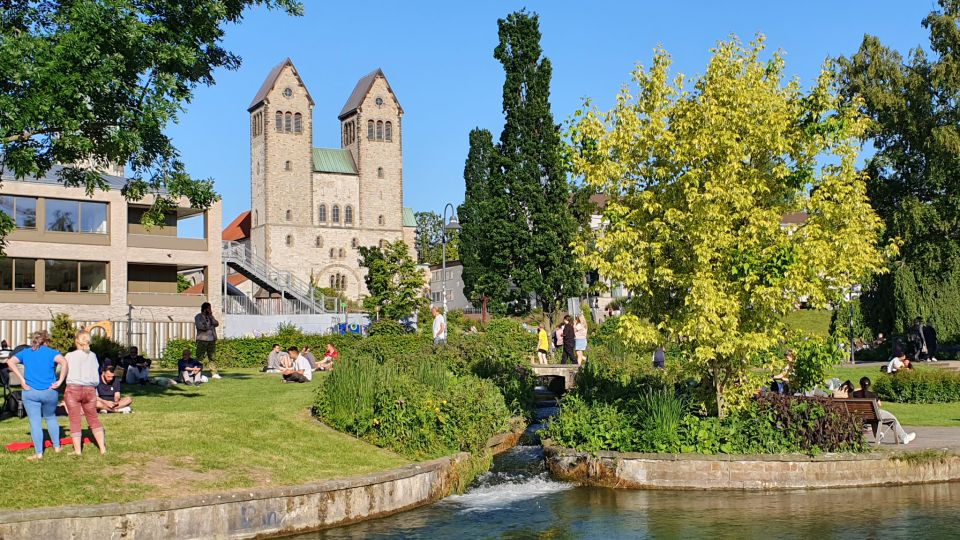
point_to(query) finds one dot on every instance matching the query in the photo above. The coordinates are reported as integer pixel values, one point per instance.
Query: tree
(698, 181)
(430, 239)
(393, 280)
(183, 283)
(89, 83)
(63, 333)
(914, 176)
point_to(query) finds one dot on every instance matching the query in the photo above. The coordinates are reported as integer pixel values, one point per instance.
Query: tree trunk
(483, 309)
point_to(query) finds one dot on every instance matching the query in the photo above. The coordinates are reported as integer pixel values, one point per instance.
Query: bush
(386, 327)
(63, 333)
(105, 347)
(814, 357)
(933, 385)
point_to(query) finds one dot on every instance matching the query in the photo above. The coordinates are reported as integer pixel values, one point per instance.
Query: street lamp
(452, 225)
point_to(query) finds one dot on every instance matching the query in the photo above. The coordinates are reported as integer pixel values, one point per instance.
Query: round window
(379, 101)
(287, 92)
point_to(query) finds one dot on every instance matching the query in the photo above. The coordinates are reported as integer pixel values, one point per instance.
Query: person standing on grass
(80, 398)
(543, 344)
(40, 382)
(580, 337)
(207, 337)
(569, 340)
(439, 326)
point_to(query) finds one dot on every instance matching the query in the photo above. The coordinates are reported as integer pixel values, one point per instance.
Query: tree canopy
(394, 283)
(88, 83)
(430, 239)
(699, 177)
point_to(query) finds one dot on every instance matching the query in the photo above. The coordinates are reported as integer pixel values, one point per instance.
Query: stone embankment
(766, 472)
(253, 513)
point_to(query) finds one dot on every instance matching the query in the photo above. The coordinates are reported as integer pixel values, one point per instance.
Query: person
(80, 398)
(877, 343)
(580, 337)
(844, 390)
(917, 341)
(39, 381)
(5, 350)
(137, 367)
(558, 337)
(207, 337)
(659, 358)
(898, 362)
(329, 356)
(865, 393)
(190, 369)
(108, 393)
(569, 340)
(273, 360)
(306, 353)
(781, 381)
(299, 370)
(439, 326)
(543, 344)
(930, 340)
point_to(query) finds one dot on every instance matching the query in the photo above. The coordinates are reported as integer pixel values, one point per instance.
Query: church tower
(281, 139)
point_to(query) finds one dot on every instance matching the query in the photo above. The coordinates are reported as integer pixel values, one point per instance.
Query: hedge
(923, 385)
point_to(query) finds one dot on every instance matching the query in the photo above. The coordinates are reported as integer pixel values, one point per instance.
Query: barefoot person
(80, 398)
(40, 382)
(108, 392)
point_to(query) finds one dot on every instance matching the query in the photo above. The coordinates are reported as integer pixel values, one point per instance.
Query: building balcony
(166, 299)
(172, 243)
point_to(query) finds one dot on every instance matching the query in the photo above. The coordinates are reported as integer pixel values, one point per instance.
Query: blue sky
(438, 57)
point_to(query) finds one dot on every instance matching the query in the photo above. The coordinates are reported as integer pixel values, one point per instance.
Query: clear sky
(438, 57)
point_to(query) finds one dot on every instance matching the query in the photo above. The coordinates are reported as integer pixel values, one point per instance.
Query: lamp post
(452, 225)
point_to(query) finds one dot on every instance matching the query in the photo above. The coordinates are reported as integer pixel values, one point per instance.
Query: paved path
(937, 438)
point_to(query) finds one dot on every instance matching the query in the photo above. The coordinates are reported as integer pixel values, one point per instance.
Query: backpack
(14, 404)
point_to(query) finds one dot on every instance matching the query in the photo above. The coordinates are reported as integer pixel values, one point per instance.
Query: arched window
(379, 130)
(323, 213)
(354, 243)
(289, 240)
(297, 123)
(333, 282)
(279, 122)
(348, 215)
(379, 172)
(343, 253)
(318, 242)
(289, 215)
(382, 243)
(335, 214)
(380, 220)
(256, 218)
(288, 122)
(288, 165)
(388, 131)
(253, 125)
(370, 128)
(343, 283)
(332, 253)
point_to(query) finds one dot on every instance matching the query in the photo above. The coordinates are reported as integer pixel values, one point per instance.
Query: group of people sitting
(846, 391)
(296, 365)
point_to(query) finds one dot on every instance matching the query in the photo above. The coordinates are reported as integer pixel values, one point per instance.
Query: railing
(241, 305)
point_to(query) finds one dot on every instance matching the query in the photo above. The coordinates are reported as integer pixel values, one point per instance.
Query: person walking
(569, 340)
(543, 344)
(207, 337)
(40, 382)
(80, 398)
(439, 327)
(580, 338)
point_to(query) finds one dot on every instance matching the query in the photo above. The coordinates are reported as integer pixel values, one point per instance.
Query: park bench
(868, 410)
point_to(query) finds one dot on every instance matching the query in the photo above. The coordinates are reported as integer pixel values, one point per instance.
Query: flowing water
(518, 499)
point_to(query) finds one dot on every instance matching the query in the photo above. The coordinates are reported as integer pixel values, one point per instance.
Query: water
(517, 499)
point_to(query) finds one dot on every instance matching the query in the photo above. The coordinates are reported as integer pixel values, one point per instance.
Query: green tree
(182, 283)
(90, 82)
(62, 333)
(914, 175)
(698, 180)
(394, 282)
(430, 239)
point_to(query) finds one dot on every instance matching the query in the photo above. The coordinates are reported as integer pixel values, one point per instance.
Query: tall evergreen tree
(914, 176)
(537, 192)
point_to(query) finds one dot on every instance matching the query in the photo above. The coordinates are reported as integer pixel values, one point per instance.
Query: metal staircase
(295, 295)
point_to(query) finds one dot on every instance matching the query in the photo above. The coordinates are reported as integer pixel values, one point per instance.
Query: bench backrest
(866, 408)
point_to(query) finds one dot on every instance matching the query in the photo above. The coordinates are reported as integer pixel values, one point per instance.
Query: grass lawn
(245, 430)
(811, 321)
(909, 414)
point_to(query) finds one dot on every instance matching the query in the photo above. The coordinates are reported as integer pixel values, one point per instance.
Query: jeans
(897, 428)
(81, 401)
(42, 405)
(208, 349)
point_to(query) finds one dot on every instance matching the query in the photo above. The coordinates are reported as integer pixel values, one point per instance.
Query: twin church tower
(311, 208)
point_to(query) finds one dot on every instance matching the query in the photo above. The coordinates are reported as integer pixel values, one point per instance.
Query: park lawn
(909, 414)
(245, 430)
(811, 321)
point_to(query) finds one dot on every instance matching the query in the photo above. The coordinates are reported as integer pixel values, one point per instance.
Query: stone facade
(312, 208)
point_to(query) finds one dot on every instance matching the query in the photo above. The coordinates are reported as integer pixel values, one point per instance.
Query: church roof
(409, 220)
(361, 90)
(333, 160)
(271, 80)
(238, 229)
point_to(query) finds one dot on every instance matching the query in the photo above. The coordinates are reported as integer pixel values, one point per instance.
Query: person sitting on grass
(864, 393)
(273, 360)
(137, 367)
(329, 357)
(898, 362)
(299, 371)
(305, 352)
(190, 369)
(108, 393)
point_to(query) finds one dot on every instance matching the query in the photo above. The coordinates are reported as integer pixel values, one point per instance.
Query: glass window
(6, 205)
(379, 172)
(348, 214)
(297, 123)
(17, 274)
(279, 117)
(93, 217)
(62, 215)
(335, 214)
(93, 277)
(323, 213)
(22, 209)
(62, 276)
(370, 129)
(288, 122)
(342, 253)
(388, 131)
(379, 130)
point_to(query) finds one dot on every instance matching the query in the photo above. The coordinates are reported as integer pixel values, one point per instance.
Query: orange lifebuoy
(106, 327)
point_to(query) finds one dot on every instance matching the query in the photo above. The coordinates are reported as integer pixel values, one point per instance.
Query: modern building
(452, 281)
(91, 258)
(312, 208)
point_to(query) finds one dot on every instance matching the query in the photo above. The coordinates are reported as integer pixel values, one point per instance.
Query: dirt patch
(168, 478)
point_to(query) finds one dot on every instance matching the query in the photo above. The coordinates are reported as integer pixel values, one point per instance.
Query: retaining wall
(251, 513)
(774, 472)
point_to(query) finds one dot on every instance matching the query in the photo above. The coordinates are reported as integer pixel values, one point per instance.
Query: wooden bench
(868, 410)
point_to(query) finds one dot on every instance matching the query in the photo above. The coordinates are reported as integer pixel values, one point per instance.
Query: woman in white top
(580, 333)
(80, 399)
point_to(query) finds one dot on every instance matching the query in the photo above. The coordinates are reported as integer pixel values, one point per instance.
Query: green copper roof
(408, 219)
(333, 160)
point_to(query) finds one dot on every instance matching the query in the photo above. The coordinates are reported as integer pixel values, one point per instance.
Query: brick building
(313, 207)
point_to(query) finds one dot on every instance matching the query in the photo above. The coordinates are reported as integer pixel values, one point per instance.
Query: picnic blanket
(17, 446)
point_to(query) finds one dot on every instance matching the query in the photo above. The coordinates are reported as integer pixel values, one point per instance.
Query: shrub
(592, 427)
(105, 347)
(288, 332)
(815, 356)
(386, 327)
(922, 385)
(63, 333)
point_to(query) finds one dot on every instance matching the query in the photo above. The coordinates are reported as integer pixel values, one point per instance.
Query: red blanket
(16, 446)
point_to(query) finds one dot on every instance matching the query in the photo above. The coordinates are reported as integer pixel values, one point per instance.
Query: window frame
(348, 215)
(335, 214)
(388, 131)
(322, 211)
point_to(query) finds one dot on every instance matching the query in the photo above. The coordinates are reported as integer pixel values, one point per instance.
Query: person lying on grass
(190, 369)
(299, 371)
(108, 392)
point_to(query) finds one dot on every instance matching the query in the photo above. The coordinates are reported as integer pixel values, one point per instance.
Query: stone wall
(775, 472)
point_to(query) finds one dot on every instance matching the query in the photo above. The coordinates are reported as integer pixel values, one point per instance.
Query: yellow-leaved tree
(699, 180)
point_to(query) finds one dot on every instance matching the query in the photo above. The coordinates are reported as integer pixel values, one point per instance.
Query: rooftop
(333, 160)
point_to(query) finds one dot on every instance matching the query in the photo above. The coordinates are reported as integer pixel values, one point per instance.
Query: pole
(852, 353)
(443, 258)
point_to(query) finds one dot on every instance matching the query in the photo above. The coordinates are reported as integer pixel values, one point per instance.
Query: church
(312, 208)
